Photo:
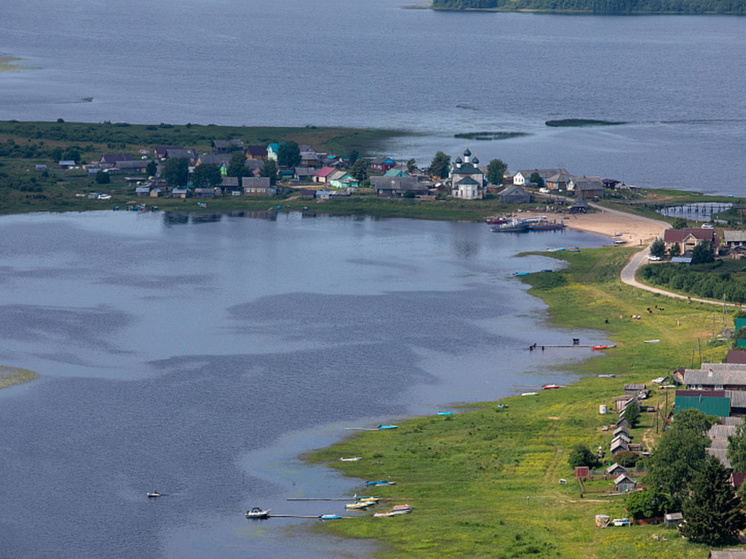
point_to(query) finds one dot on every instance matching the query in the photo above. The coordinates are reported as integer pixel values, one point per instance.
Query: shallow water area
(200, 357)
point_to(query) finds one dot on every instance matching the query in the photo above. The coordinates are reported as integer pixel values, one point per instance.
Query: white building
(467, 180)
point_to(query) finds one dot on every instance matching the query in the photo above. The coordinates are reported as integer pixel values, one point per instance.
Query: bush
(102, 177)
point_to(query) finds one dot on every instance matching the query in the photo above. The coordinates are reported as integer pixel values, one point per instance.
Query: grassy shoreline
(468, 476)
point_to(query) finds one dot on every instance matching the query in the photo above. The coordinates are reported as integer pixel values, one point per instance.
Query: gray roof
(138, 164)
(260, 182)
(727, 554)
(544, 173)
(720, 454)
(619, 430)
(397, 183)
(618, 445)
(714, 377)
(637, 387)
(215, 158)
(734, 236)
(719, 434)
(621, 437)
(623, 477)
(731, 420)
(737, 398)
(180, 153)
(587, 183)
(512, 190)
(615, 467)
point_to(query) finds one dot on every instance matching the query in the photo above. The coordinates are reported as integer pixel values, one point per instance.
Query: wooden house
(689, 238)
(256, 152)
(616, 470)
(382, 164)
(624, 483)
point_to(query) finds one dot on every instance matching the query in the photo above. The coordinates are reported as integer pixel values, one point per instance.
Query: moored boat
(257, 513)
(360, 505)
(513, 226)
(546, 226)
(154, 494)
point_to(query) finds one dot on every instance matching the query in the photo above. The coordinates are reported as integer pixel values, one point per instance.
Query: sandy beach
(634, 230)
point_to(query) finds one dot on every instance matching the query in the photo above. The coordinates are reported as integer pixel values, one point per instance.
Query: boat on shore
(398, 509)
(257, 513)
(360, 505)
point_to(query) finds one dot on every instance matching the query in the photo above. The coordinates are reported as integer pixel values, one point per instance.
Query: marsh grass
(10, 376)
(485, 482)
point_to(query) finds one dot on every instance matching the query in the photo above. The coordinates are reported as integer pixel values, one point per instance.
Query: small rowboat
(550, 386)
(382, 427)
(398, 509)
(257, 513)
(355, 459)
(597, 347)
(154, 494)
(380, 482)
(329, 517)
(360, 505)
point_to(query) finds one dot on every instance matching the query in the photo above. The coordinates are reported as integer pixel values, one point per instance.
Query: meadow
(485, 482)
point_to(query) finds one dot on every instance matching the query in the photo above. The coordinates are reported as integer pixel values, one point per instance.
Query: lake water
(199, 356)
(677, 82)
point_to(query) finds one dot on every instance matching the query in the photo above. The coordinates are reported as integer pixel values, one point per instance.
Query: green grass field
(485, 482)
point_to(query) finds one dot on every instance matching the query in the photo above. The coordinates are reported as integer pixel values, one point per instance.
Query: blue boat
(388, 427)
(329, 517)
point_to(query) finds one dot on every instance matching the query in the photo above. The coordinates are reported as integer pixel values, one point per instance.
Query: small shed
(673, 519)
(624, 483)
(616, 470)
(621, 422)
(622, 437)
(620, 430)
(582, 472)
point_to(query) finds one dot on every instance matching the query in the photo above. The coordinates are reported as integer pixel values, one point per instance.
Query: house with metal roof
(342, 179)
(587, 187)
(382, 164)
(688, 238)
(256, 152)
(716, 376)
(559, 177)
(514, 195)
(227, 146)
(273, 150)
(398, 187)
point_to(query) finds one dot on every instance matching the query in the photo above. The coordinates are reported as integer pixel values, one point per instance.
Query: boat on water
(512, 226)
(257, 513)
(398, 509)
(153, 494)
(496, 220)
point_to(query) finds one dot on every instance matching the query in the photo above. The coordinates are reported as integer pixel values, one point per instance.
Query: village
(278, 169)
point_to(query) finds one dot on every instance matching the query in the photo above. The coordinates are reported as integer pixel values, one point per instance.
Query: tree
(627, 458)
(581, 455)
(176, 171)
(679, 223)
(495, 171)
(353, 157)
(288, 155)
(411, 166)
(536, 178)
(440, 165)
(269, 169)
(703, 253)
(712, 511)
(675, 250)
(632, 414)
(151, 169)
(658, 248)
(102, 177)
(649, 503)
(360, 170)
(237, 165)
(680, 455)
(207, 174)
(737, 449)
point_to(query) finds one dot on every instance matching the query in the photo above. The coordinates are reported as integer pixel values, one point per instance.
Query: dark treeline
(600, 6)
(706, 283)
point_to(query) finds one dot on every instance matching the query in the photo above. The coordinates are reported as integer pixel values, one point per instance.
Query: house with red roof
(689, 238)
(322, 175)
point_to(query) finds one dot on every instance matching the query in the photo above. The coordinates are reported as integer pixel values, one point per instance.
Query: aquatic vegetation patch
(579, 122)
(489, 136)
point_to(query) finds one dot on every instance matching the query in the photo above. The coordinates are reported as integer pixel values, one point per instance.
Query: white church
(467, 180)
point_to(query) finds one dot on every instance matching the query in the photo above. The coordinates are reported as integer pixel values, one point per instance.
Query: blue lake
(198, 357)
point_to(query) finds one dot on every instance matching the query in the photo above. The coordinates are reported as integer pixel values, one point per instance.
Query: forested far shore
(613, 7)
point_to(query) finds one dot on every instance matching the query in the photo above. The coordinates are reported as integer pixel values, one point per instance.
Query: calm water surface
(676, 82)
(200, 356)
